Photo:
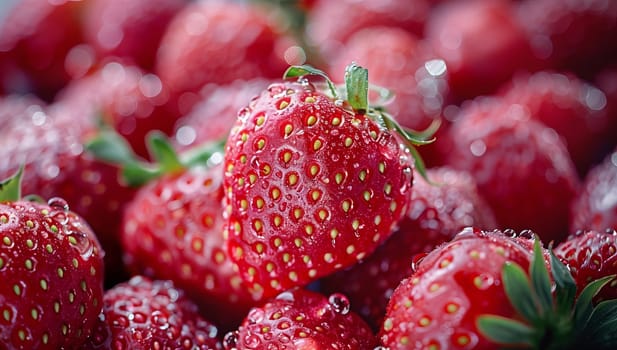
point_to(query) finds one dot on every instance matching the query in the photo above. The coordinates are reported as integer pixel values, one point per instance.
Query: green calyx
(357, 89)
(111, 147)
(10, 188)
(552, 317)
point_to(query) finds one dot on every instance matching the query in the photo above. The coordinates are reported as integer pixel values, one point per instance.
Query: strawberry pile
(308, 174)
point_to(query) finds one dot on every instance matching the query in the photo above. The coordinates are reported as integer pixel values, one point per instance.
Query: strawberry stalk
(111, 147)
(10, 188)
(357, 89)
(552, 320)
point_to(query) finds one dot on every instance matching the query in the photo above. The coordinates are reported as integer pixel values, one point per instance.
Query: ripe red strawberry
(403, 63)
(35, 38)
(212, 41)
(478, 66)
(14, 105)
(329, 24)
(215, 114)
(124, 97)
(51, 267)
(521, 166)
(313, 185)
(437, 212)
(302, 319)
(151, 314)
(575, 109)
(591, 255)
(131, 30)
(57, 165)
(571, 35)
(485, 290)
(595, 207)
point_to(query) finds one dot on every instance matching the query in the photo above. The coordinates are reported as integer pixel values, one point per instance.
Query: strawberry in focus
(302, 319)
(151, 314)
(51, 267)
(312, 184)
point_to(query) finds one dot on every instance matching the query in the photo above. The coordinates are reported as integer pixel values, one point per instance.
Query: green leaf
(356, 83)
(163, 152)
(565, 286)
(10, 188)
(519, 292)
(601, 330)
(584, 304)
(503, 330)
(200, 155)
(540, 279)
(110, 147)
(300, 71)
(136, 175)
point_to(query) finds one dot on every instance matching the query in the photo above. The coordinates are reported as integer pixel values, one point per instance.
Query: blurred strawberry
(129, 29)
(214, 115)
(14, 105)
(302, 319)
(522, 167)
(213, 41)
(331, 23)
(571, 34)
(481, 44)
(595, 207)
(122, 97)
(57, 165)
(437, 212)
(35, 38)
(575, 109)
(151, 314)
(399, 61)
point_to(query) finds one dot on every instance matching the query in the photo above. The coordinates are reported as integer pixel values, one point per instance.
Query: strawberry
(57, 165)
(591, 255)
(151, 314)
(570, 35)
(330, 35)
(122, 97)
(213, 41)
(486, 290)
(36, 37)
(131, 30)
(215, 114)
(404, 64)
(595, 207)
(521, 166)
(173, 228)
(478, 67)
(14, 105)
(302, 319)
(51, 267)
(312, 184)
(437, 212)
(575, 109)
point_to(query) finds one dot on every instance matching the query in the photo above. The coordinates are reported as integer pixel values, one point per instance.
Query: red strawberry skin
(51, 267)
(460, 280)
(522, 167)
(591, 255)
(131, 30)
(217, 42)
(595, 207)
(302, 319)
(311, 188)
(173, 229)
(151, 314)
(435, 215)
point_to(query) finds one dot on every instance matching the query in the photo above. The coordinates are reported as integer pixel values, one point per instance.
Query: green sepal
(518, 289)
(565, 287)
(300, 71)
(110, 147)
(356, 84)
(10, 188)
(540, 280)
(163, 152)
(503, 330)
(584, 304)
(601, 332)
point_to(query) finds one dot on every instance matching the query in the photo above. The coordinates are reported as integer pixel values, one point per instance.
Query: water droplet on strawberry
(416, 260)
(251, 341)
(339, 303)
(255, 316)
(287, 296)
(230, 341)
(58, 204)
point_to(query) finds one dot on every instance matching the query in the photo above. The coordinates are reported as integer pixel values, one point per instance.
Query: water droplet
(256, 315)
(287, 296)
(380, 347)
(230, 341)
(251, 341)
(339, 103)
(339, 303)
(416, 260)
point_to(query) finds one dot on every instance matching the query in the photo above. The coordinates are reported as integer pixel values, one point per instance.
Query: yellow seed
(283, 104)
(310, 99)
(336, 121)
(334, 233)
(292, 179)
(348, 141)
(311, 120)
(317, 145)
(288, 129)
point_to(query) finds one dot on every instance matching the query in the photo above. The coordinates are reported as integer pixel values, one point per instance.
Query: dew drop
(230, 341)
(416, 260)
(58, 203)
(251, 341)
(339, 303)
